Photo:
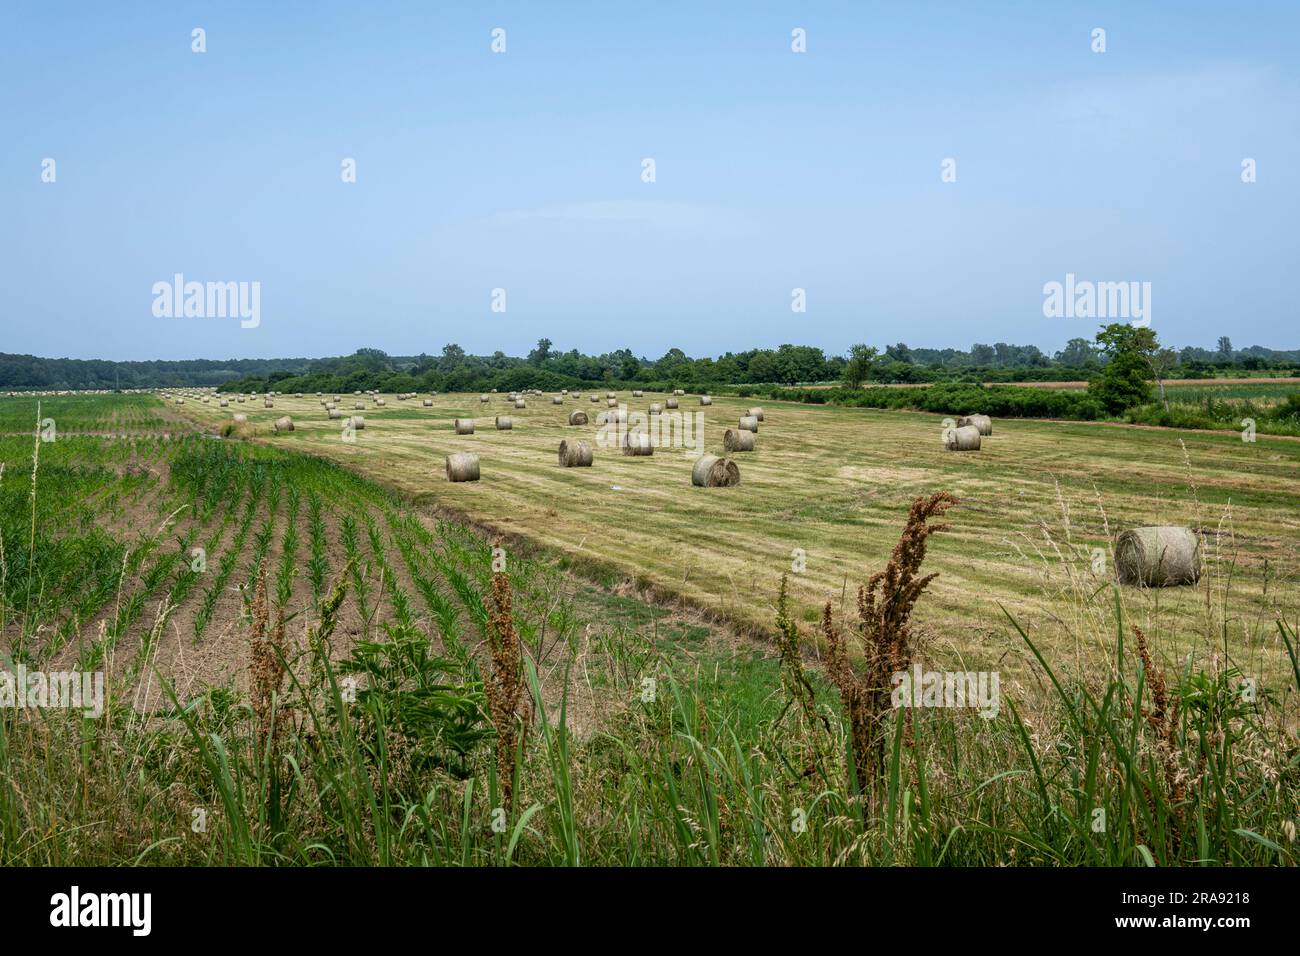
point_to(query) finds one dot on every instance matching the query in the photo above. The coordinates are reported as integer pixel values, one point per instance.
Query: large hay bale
(266, 403)
(575, 454)
(462, 466)
(982, 422)
(966, 438)
(637, 444)
(464, 426)
(611, 394)
(333, 412)
(656, 408)
(355, 422)
(679, 391)
(612, 402)
(738, 439)
(427, 403)
(482, 398)
(284, 424)
(240, 399)
(505, 423)
(595, 399)
(557, 400)
(671, 403)
(1158, 557)
(705, 400)
(756, 413)
(710, 471)
(577, 418)
(520, 403)
(749, 423)
(359, 406)
(636, 393)
(379, 401)
(224, 403)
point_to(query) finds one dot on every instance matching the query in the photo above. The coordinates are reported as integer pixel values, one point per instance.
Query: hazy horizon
(522, 171)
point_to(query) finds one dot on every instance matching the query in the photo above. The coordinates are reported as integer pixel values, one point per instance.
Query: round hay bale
(359, 406)
(595, 399)
(705, 400)
(284, 424)
(557, 400)
(575, 454)
(482, 398)
(679, 391)
(462, 466)
(355, 422)
(749, 423)
(577, 418)
(966, 438)
(637, 444)
(611, 394)
(266, 403)
(427, 403)
(671, 403)
(224, 404)
(379, 401)
(1158, 557)
(710, 471)
(982, 422)
(240, 399)
(755, 413)
(520, 403)
(738, 439)
(464, 426)
(333, 412)
(612, 402)
(636, 393)
(239, 418)
(505, 423)
(656, 408)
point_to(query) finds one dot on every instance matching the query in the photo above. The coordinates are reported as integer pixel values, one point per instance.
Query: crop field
(825, 488)
(306, 642)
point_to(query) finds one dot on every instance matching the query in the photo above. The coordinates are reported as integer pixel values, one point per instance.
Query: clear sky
(523, 171)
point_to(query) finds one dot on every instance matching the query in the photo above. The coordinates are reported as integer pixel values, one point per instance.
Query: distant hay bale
(575, 454)
(577, 418)
(755, 413)
(464, 426)
(966, 438)
(505, 423)
(482, 398)
(637, 444)
(284, 424)
(266, 403)
(462, 466)
(656, 408)
(749, 423)
(636, 393)
(705, 400)
(355, 422)
(595, 399)
(240, 399)
(297, 394)
(379, 401)
(679, 391)
(520, 403)
(360, 406)
(557, 400)
(1158, 557)
(738, 439)
(333, 412)
(224, 404)
(427, 403)
(710, 471)
(612, 402)
(671, 403)
(239, 419)
(982, 422)
(611, 395)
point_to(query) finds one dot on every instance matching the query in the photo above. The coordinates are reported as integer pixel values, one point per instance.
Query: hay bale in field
(738, 439)
(982, 422)
(966, 438)
(464, 426)
(379, 401)
(755, 413)
(297, 394)
(656, 408)
(359, 406)
(612, 402)
(284, 424)
(577, 418)
(427, 403)
(575, 454)
(482, 398)
(1158, 557)
(266, 403)
(749, 423)
(239, 418)
(557, 400)
(611, 395)
(705, 400)
(710, 471)
(671, 403)
(355, 422)
(462, 466)
(333, 412)
(636, 393)
(224, 404)
(520, 403)
(240, 399)
(505, 423)
(595, 399)
(679, 391)
(637, 444)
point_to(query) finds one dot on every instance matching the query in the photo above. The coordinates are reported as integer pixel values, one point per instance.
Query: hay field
(836, 483)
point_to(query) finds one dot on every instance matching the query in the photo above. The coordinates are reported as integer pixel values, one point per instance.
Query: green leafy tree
(858, 366)
(1125, 379)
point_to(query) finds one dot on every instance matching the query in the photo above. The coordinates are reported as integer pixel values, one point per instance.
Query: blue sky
(522, 171)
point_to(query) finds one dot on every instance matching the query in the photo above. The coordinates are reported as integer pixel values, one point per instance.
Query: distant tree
(983, 354)
(899, 353)
(858, 366)
(1225, 347)
(539, 355)
(761, 367)
(1125, 380)
(1077, 353)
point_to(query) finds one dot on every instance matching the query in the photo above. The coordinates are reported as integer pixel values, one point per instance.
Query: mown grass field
(323, 687)
(1036, 500)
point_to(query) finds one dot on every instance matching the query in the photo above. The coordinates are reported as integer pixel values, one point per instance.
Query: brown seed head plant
(268, 653)
(504, 684)
(883, 629)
